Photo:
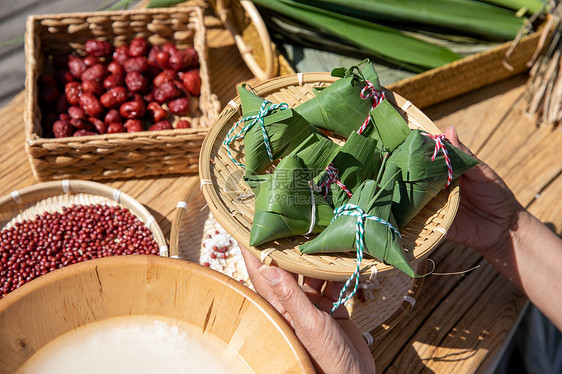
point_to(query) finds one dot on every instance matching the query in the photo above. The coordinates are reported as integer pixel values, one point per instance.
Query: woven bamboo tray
(121, 155)
(386, 301)
(222, 184)
(50, 197)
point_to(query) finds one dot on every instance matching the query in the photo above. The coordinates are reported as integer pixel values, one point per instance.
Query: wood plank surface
(460, 321)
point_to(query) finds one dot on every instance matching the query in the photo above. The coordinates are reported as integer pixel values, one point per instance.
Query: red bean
(62, 129)
(132, 109)
(91, 61)
(192, 82)
(82, 124)
(115, 127)
(100, 125)
(76, 66)
(112, 116)
(93, 87)
(76, 112)
(95, 73)
(83, 132)
(164, 76)
(121, 54)
(35, 247)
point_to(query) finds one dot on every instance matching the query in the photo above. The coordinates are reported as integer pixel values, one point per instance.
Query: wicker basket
(28, 202)
(470, 73)
(222, 186)
(386, 300)
(114, 155)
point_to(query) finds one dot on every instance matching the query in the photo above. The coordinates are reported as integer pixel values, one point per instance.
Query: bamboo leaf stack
(411, 34)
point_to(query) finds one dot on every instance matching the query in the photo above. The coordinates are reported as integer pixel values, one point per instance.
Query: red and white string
(332, 177)
(369, 91)
(440, 146)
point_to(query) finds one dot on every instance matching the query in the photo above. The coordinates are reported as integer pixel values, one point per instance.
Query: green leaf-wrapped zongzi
(379, 238)
(287, 202)
(428, 164)
(357, 160)
(271, 131)
(343, 106)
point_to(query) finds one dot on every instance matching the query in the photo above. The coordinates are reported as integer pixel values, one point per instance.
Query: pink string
(440, 146)
(332, 173)
(369, 91)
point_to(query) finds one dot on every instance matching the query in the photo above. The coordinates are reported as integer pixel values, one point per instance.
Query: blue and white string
(258, 118)
(355, 211)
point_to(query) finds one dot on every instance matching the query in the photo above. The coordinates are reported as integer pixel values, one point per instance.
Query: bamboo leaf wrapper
(283, 130)
(340, 107)
(286, 202)
(380, 241)
(421, 179)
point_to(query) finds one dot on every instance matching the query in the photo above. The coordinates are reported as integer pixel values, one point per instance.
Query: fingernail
(271, 274)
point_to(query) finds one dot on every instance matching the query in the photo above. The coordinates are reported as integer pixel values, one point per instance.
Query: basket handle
(245, 50)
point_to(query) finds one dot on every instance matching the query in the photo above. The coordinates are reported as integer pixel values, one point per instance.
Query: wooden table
(460, 322)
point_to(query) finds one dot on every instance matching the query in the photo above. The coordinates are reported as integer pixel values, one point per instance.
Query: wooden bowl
(71, 297)
(223, 185)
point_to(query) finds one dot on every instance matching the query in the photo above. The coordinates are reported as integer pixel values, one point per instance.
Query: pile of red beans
(129, 88)
(35, 247)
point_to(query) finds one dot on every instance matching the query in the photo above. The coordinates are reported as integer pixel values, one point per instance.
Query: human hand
(488, 209)
(333, 342)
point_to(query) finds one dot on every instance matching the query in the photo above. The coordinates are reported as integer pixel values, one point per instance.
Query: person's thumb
(290, 295)
(451, 134)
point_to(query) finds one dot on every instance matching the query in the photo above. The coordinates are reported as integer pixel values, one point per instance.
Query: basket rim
(104, 13)
(37, 192)
(224, 217)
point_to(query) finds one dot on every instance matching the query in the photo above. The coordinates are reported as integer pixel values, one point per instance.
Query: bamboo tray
(151, 287)
(387, 300)
(28, 202)
(222, 184)
(121, 155)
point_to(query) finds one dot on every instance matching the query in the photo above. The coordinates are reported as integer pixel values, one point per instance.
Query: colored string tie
(258, 118)
(440, 146)
(332, 177)
(355, 211)
(368, 92)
